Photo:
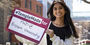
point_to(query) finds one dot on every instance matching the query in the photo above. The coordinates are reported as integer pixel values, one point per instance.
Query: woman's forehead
(57, 4)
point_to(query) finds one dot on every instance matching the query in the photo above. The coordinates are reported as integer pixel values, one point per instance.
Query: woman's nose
(58, 11)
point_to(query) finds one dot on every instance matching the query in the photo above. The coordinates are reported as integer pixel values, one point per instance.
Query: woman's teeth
(58, 14)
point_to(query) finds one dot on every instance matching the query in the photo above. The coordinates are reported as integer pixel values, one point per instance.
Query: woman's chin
(58, 16)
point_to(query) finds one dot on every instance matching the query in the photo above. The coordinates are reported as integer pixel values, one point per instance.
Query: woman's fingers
(50, 33)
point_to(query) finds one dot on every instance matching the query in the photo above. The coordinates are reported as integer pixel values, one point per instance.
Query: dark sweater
(63, 32)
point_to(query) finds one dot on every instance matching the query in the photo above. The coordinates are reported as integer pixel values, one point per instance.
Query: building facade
(46, 5)
(32, 6)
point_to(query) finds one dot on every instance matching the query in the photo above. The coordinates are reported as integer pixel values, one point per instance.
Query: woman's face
(58, 10)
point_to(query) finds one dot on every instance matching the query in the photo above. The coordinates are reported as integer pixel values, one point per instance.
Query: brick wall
(33, 10)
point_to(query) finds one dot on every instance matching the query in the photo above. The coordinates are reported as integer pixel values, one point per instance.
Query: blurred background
(80, 13)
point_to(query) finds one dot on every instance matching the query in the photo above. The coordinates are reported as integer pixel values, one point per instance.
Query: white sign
(26, 28)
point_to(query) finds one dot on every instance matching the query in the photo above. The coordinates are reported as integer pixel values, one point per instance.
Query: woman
(61, 30)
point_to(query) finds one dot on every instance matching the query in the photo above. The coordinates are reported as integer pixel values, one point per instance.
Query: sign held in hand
(28, 25)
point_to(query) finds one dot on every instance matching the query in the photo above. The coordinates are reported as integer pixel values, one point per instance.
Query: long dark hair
(67, 18)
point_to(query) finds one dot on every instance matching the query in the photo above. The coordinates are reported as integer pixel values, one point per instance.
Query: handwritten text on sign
(26, 28)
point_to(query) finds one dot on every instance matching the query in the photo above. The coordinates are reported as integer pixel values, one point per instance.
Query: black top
(62, 32)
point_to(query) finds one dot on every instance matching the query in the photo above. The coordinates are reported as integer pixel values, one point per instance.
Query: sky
(80, 8)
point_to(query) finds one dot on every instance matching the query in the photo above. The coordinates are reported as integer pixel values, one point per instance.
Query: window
(40, 10)
(30, 6)
(37, 8)
(40, 1)
(25, 3)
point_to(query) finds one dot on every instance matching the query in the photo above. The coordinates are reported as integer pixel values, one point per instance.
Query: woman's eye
(60, 7)
(55, 8)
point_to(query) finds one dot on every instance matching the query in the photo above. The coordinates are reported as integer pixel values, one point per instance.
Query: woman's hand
(50, 33)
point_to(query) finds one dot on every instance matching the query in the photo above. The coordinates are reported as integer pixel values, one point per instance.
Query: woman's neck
(59, 22)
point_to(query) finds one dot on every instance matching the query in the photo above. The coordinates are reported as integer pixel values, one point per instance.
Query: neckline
(57, 26)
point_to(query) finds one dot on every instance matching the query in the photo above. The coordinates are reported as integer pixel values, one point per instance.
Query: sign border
(36, 41)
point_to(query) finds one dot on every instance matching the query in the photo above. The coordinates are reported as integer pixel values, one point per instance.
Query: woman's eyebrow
(55, 6)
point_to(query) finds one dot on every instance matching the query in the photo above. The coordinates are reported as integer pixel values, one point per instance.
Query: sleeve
(57, 41)
(43, 41)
